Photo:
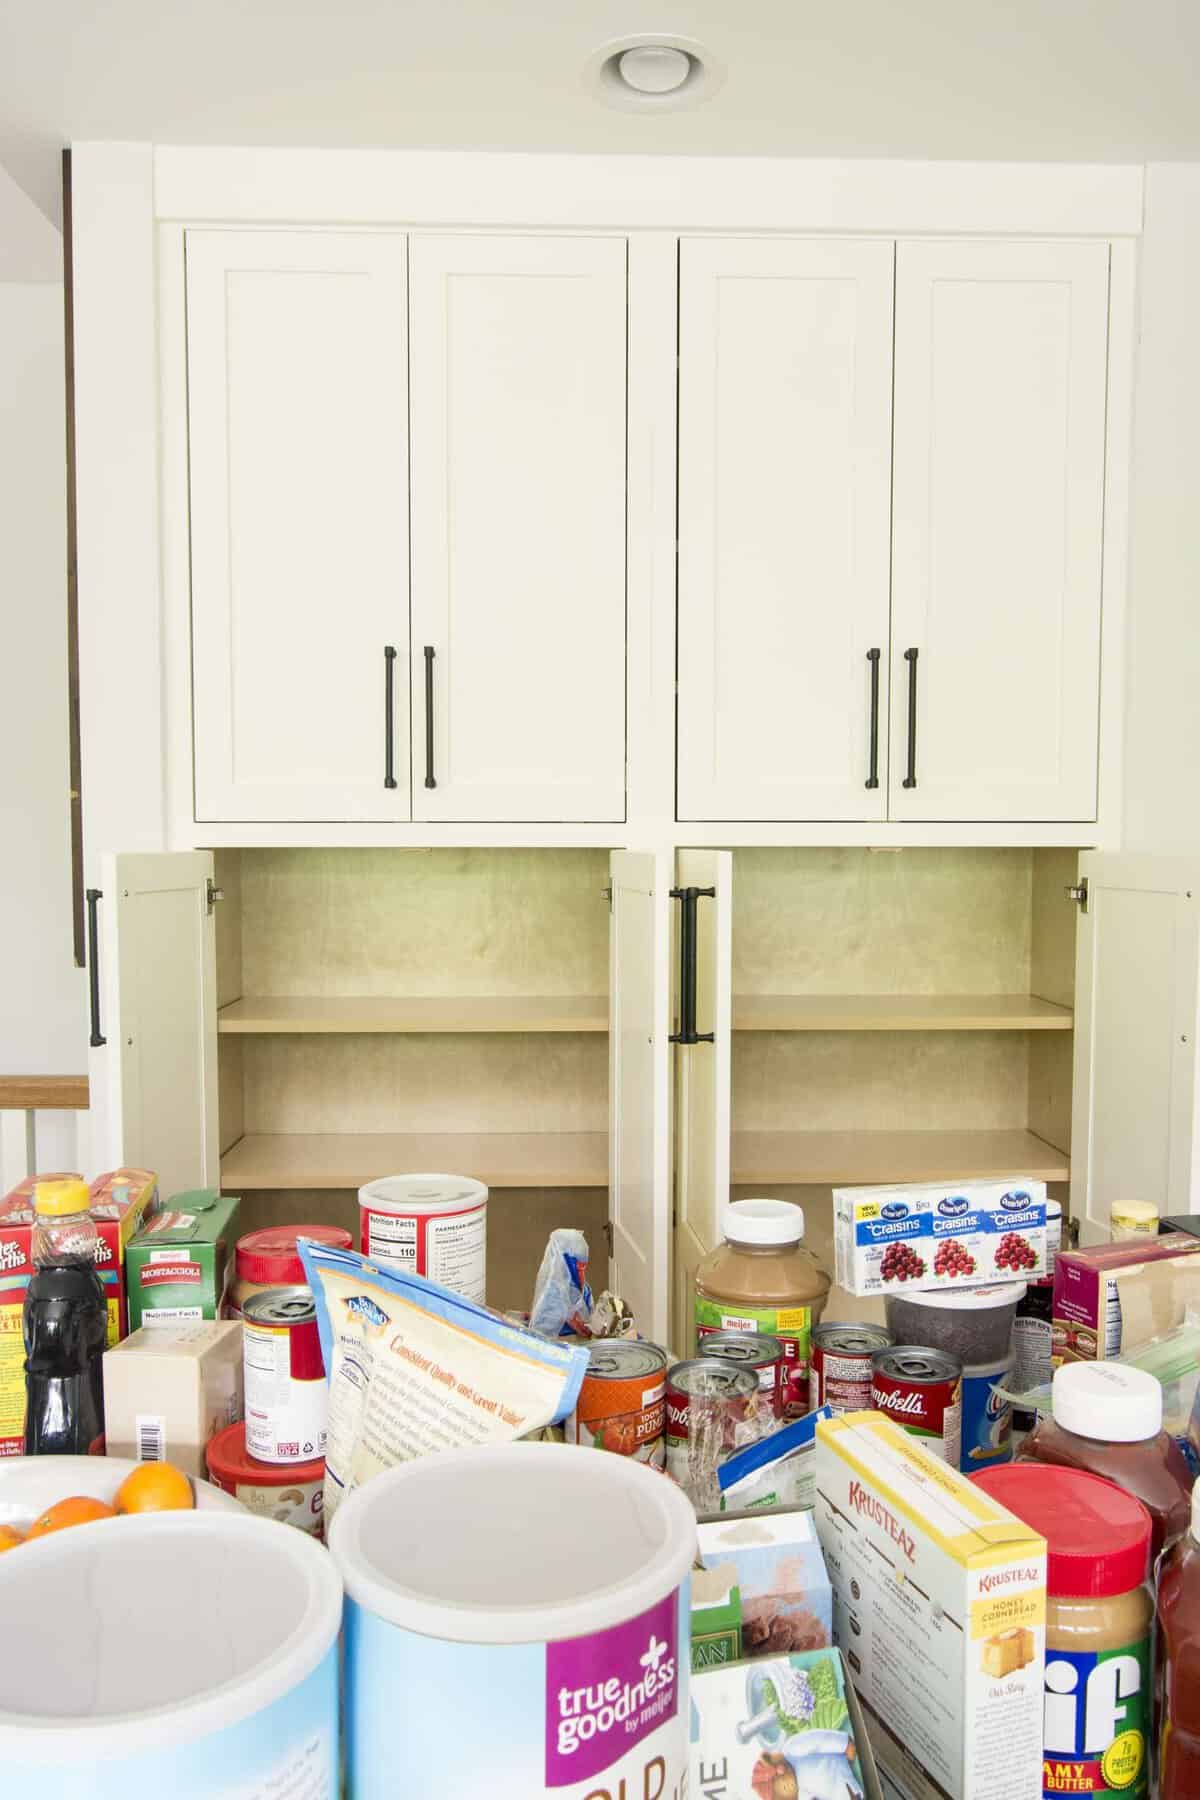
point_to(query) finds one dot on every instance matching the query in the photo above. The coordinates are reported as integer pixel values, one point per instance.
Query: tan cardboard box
(168, 1390)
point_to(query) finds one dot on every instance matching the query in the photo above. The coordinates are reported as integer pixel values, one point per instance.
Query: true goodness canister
(1099, 1621)
(189, 1654)
(431, 1225)
(921, 1390)
(530, 1604)
(287, 1399)
(763, 1279)
(622, 1401)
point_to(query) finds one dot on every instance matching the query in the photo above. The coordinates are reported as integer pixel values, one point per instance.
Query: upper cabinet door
(297, 404)
(785, 386)
(518, 527)
(1001, 363)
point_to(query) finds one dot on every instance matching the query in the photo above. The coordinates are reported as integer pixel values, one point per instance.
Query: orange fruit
(10, 1537)
(155, 1487)
(77, 1509)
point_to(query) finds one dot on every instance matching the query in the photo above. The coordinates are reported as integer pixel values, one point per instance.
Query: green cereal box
(177, 1265)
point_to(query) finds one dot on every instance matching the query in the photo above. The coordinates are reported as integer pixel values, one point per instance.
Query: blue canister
(986, 1417)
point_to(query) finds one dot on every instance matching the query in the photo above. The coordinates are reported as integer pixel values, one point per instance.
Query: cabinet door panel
(518, 527)
(297, 404)
(1001, 361)
(784, 518)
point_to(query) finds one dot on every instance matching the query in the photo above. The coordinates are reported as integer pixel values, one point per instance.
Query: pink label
(606, 1692)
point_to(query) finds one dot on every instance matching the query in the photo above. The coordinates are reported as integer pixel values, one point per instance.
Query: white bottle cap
(762, 1222)
(1110, 1401)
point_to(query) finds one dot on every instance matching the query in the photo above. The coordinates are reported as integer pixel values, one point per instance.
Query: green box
(716, 1617)
(177, 1265)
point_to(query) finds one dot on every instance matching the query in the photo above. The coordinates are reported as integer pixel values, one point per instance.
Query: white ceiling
(1087, 80)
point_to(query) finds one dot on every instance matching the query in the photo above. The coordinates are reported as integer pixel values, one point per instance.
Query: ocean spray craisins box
(939, 1608)
(938, 1235)
(1086, 1314)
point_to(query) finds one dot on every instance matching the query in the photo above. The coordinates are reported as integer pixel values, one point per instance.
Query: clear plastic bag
(562, 1299)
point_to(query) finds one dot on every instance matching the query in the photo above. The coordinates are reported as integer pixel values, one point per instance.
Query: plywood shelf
(538, 1159)
(898, 1012)
(825, 1158)
(428, 1013)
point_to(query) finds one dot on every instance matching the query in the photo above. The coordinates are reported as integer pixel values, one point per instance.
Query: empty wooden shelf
(416, 1013)
(347, 1159)
(898, 1012)
(821, 1158)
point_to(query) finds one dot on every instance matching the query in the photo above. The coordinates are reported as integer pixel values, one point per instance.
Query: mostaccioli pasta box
(939, 1608)
(918, 1238)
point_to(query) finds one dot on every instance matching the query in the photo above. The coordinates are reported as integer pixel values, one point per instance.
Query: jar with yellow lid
(1099, 1626)
(1132, 1219)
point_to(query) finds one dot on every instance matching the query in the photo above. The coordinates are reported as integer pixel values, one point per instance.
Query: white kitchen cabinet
(518, 429)
(297, 399)
(1137, 1015)
(785, 375)
(998, 505)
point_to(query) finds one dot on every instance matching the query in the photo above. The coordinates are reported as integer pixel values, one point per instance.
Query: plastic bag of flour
(779, 1470)
(413, 1368)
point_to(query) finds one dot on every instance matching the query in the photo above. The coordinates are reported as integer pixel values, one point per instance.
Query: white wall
(42, 994)
(1162, 745)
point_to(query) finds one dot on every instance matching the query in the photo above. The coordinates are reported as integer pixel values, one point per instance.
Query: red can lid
(1097, 1536)
(229, 1463)
(270, 1258)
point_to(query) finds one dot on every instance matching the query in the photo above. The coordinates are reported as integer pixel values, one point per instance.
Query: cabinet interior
(384, 1010)
(928, 996)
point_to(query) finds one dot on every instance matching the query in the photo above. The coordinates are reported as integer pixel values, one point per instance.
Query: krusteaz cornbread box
(177, 1265)
(939, 1608)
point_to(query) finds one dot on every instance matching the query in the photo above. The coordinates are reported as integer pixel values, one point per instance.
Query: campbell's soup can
(287, 1400)
(750, 1350)
(921, 1390)
(987, 1416)
(431, 1225)
(622, 1402)
(839, 1370)
(716, 1390)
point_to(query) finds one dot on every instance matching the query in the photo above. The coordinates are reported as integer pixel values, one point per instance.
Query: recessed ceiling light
(653, 72)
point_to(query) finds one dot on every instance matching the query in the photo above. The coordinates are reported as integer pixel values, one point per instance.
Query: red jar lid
(270, 1258)
(229, 1464)
(1097, 1536)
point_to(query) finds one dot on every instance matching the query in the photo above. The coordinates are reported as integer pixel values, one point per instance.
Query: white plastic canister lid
(1123, 1405)
(422, 1193)
(514, 1543)
(980, 1299)
(156, 1631)
(762, 1222)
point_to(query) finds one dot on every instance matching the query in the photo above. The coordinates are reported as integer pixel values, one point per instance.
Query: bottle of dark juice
(1179, 1664)
(65, 1325)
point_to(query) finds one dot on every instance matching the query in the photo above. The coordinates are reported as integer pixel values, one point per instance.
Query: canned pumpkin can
(622, 1402)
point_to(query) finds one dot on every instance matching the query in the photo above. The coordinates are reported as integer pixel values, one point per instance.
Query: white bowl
(29, 1484)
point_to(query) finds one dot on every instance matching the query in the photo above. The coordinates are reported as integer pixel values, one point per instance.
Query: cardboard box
(119, 1203)
(177, 1267)
(716, 1617)
(922, 1224)
(168, 1391)
(1086, 1321)
(745, 1745)
(786, 1600)
(936, 1588)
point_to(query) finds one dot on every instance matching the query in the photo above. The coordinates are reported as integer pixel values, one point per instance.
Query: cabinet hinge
(606, 890)
(212, 893)
(1078, 891)
(608, 1235)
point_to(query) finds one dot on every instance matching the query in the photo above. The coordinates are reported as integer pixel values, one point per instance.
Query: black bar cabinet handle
(910, 780)
(429, 781)
(872, 780)
(687, 897)
(389, 718)
(93, 896)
